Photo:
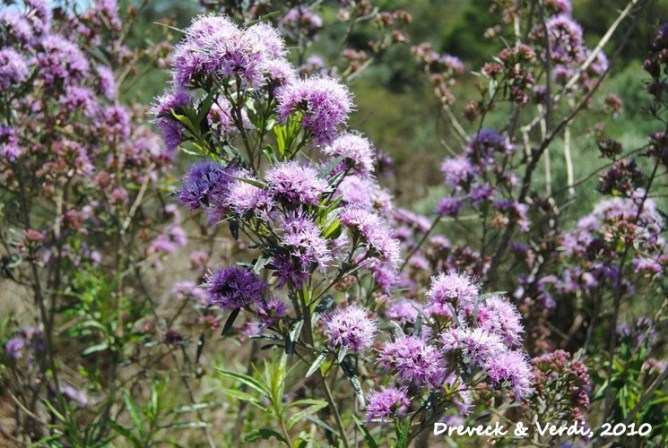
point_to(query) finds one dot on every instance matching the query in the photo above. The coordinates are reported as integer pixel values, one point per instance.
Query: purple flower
(295, 183)
(188, 289)
(76, 396)
(453, 288)
(269, 39)
(449, 207)
(453, 63)
(496, 315)
(404, 311)
(18, 26)
(357, 152)
(172, 130)
(383, 273)
(115, 122)
(215, 46)
(478, 345)
(648, 265)
(244, 197)
(456, 171)
(107, 82)
(271, 311)
(350, 328)
(14, 347)
(481, 194)
(324, 102)
(414, 361)
(513, 367)
(9, 143)
(234, 287)
(301, 20)
(565, 38)
(375, 231)
(485, 144)
(386, 403)
(206, 184)
(13, 69)
(77, 97)
(302, 237)
(60, 61)
(193, 59)
(289, 272)
(279, 72)
(363, 192)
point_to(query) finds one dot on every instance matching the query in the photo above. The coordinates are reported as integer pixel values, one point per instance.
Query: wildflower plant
(277, 176)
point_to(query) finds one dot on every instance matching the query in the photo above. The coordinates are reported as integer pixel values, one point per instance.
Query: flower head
(386, 403)
(14, 347)
(243, 197)
(13, 69)
(234, 287)
(324, 102)
(302, 237)
(9, 143)
(206, 184)
(172, 130)
(456, 171)
(356, 151)
(497, 315)
(60, 60)
(350, 328)
(295, 183)
(513, 367)
(453, 288)
(478, 345)
(375, 231)
(414, 361)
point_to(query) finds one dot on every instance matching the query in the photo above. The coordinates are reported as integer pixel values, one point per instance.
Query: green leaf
(268, 151)
(255, 183)
(205, 106)
(102, 346)
(134, 411)
(311, 410)
(247, 380)
(239, 395)
(293, 336)
(333, 231)
(489, 295)
(281, 134)
(368, 438)
(260, 263)
(125, 432)
(319, 422)
(354, 381)
(230, 321)
(264, 434)
(185, 425)
(317, 363)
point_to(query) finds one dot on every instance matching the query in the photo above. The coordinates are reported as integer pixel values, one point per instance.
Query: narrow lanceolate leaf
(488, 295)
(368, 438)
(354, 381)
(319, 422)
(230, 321)
(293, 337)
(322, 357)
(264, 434)
(245, 379)
(260, 263)
(134, 411)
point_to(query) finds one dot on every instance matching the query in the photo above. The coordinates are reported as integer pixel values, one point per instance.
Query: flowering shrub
(367, 323)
